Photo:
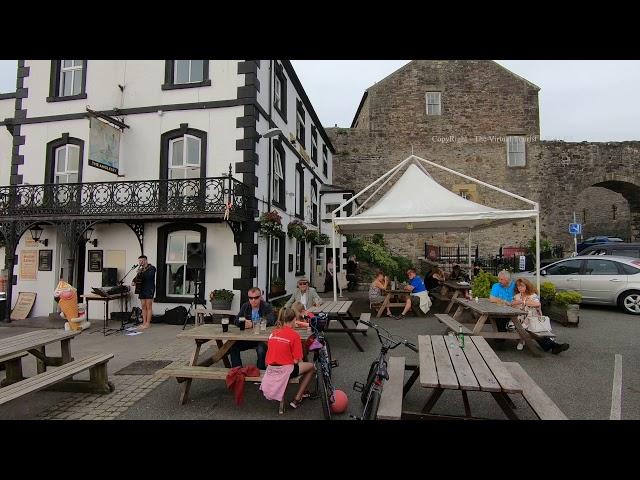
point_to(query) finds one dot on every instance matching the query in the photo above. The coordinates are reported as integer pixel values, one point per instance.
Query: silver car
(603, 280)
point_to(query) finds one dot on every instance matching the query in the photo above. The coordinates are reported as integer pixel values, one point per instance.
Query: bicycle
(378, 374)
(323, 363)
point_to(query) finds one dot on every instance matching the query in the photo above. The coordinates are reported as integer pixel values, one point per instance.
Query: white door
(318, 269)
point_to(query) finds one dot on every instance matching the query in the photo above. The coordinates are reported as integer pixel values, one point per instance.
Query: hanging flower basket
(323, 239)
(311, 236)
(270, 224)
(296, 229)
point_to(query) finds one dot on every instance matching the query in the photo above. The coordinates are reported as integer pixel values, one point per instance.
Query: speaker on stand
(109, 277)
(196, 261)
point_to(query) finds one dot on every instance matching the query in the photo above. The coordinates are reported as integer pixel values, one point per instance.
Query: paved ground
(578, 380)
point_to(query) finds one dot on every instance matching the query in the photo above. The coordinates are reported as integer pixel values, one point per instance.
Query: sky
(580, 100)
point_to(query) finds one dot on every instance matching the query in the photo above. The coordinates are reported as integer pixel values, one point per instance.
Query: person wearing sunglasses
(306, 295)
(251, 312)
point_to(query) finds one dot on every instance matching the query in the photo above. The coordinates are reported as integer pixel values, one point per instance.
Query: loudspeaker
(195, 255)
(109, 277)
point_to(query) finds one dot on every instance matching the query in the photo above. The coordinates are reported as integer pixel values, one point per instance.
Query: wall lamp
(272, 132)
(36, 234)
(87, 237)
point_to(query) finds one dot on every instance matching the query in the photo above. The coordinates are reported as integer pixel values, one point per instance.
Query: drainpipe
(268, 265)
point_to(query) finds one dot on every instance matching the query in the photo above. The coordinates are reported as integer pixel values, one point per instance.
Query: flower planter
(221, 304)
(565, 315)
(277, 290)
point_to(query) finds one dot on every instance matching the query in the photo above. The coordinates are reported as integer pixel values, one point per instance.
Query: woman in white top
(527, 299)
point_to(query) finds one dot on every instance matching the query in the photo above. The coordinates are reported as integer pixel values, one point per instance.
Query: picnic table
(341, 311)
(491, 311)
(445, 365)
(13, 349)
(224, 340)
(391, 300)
(458, 289)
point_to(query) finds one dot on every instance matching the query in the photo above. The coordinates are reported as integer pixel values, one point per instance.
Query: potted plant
(565, 309)
(277, 287)
(270, 224)
(296, 229)
(221, 299)
(311, 236)
(323, 239)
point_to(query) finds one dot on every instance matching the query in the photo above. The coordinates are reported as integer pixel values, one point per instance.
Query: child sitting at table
(284, 349)
(302, 315)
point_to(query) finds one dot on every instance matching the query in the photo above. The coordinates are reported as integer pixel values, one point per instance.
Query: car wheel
(630, 302)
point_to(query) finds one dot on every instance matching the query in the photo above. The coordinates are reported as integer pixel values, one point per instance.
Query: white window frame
(516, 151)
(298, 193)
(299, 256)
(75, 70)
(277, 93)
(175, 72)
(434, 100)
(185, 165)
(65, 172)
(278, 178)
(314, 205)
(314, 144)
(195, 237)
(275, 257)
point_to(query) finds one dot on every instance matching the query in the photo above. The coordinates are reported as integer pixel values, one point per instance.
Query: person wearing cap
(306, 295)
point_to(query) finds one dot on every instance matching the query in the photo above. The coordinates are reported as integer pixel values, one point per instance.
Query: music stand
(196, 299)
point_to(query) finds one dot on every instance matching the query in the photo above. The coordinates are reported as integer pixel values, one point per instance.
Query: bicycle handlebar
(394, 343)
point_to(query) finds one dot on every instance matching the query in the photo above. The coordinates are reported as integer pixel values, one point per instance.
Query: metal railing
(198, 196)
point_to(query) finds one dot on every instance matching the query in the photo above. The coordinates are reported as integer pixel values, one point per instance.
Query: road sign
(575, 228)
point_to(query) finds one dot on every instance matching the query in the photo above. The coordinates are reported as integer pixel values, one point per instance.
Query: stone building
(480, 119)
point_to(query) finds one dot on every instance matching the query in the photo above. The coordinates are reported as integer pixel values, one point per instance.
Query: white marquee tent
(416, 203)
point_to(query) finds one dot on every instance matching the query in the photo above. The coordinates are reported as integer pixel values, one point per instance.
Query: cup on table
(241, 324)
(256, 326)
(263, 324)
(225, 324)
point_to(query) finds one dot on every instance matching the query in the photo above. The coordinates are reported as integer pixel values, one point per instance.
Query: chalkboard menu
(45, 259)
(95, 260)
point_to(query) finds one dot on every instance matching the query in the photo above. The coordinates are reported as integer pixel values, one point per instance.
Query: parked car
(595, 241)
(603, 280)
(618, 249)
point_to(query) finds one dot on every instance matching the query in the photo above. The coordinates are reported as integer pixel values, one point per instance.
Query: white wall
(7, 110)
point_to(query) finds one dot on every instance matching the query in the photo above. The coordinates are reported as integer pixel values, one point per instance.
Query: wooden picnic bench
(458, 289)
(390, 407)
(339, 312)
(540, 403)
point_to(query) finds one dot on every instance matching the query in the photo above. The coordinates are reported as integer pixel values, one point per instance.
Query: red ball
(341, 402)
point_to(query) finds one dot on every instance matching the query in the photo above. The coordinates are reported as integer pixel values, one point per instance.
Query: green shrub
(376, 253)
(547, 292)
(221, 294)
(545, 247)
(568, 297)
(482, 283)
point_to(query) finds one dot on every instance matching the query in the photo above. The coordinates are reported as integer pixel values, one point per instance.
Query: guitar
(137, 280)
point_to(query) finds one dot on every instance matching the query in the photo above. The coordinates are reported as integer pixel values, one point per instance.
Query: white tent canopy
(416, 203)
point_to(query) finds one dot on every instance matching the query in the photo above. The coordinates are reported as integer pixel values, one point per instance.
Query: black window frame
(281, 258)
(279, 202)
(300, 269)
(279, 72)
(314, 210)
(325, 161)
(169, 66)
(161, 255)
(314, 148)
(300, 201)
(54, 83)
(303, 133)
(166, 138)
(52, 146)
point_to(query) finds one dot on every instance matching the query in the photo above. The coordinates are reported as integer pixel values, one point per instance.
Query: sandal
(390, 315)
(295, 403)
(400, 317)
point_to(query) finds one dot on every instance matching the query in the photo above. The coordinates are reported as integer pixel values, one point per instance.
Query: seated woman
(434, 279)
(527, 300)
(376, 290)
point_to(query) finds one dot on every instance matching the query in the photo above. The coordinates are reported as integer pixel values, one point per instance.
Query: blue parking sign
(575, 228)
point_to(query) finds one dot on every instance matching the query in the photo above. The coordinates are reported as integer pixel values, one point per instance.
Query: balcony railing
(198, 197)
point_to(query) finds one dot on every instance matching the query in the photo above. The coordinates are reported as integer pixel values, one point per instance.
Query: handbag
(538, 323)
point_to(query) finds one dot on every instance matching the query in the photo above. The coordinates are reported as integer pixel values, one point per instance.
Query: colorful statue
(67, 298)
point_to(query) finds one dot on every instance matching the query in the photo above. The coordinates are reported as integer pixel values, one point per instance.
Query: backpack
(176, 316)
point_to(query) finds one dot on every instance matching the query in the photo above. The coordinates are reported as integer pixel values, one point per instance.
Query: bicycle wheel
(371, 408)
(370, 377)
(324, 393)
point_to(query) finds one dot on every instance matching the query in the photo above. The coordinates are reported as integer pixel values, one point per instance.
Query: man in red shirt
(285, 348)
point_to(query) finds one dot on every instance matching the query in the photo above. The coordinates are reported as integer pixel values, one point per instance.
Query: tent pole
(469, 255)
(335, 270)
(538, 249)
(373, 194)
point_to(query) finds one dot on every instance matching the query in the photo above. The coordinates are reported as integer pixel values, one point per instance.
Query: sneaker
(520, 346)
(561, 347)
(295, 403)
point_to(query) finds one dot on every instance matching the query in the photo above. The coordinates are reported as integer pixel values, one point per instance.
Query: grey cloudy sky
(579, 100)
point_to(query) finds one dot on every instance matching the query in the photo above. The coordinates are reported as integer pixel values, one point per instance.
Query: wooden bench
(438, 296)
(13, 366)
(390, 407)
(539, 402)
(362, 326)
(452, 324)
(98, 383)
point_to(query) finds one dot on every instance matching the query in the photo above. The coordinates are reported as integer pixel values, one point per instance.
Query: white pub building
(102, 161)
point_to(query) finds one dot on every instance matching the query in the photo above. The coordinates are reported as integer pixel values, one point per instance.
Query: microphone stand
(127, 274)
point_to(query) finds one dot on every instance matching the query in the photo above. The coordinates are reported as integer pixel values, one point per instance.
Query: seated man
(419, 294)
(304, 294)
(251, 312)
(502, 294)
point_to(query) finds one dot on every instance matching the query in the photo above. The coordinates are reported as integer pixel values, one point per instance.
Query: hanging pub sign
(104, 146)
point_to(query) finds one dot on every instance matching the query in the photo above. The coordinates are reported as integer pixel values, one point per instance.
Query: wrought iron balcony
(189, 198)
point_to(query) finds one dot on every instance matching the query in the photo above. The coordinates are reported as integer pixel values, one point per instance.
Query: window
(186, 74)
(465, 194)
(280, 92)
(300, 248)
(180, 280)
(600, 267)
(184, 157)
(275, 257)
(613, 211)
(433, 103)
(68, 80)
(314, 203)
(325, 161)
(314, 144)
(67, 164)
(277, 188)
(299, 192)
(570, 267)
(300, 118)
(629, 270)
(330, 207)
(515, 151)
